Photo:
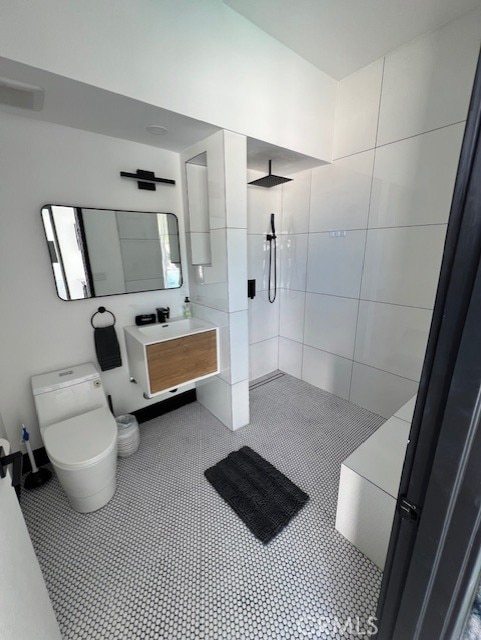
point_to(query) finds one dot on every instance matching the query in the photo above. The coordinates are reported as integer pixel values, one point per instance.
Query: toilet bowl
(79, 434)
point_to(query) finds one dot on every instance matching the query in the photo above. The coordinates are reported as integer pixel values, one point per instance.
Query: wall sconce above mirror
(101, 252)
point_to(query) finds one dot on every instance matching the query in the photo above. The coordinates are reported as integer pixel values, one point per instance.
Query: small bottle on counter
(187, 308)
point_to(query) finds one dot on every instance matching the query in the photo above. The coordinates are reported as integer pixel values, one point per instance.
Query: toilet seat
(81, 441)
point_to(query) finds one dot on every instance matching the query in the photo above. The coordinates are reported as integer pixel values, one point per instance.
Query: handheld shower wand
(271, 238)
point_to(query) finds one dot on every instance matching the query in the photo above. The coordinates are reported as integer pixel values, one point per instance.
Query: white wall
(42, 163)
(197, 58)
(263, 315)
(219, 290)
(356, 306)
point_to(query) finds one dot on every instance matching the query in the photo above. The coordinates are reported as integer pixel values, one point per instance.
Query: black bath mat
(260, 494)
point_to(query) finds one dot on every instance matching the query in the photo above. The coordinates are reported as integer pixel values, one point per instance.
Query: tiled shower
(361, 239)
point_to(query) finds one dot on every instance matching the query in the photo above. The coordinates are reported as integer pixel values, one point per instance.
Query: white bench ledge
(380, 458)
(369, 485)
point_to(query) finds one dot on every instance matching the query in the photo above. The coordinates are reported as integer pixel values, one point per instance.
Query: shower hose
(271, 238)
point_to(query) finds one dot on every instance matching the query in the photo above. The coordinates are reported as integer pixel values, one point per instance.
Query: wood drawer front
(174, 362)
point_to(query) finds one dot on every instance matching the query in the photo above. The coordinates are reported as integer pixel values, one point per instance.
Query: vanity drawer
(175, 362)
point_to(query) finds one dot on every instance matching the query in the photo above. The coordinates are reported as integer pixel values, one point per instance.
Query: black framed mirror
(104, 252)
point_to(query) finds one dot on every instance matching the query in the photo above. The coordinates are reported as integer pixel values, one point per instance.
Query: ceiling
(342, 36)
(339, 36)
(82, 106)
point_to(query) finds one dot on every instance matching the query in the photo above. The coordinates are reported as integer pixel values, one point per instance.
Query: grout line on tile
(414, 135)
(397, 226)
(365, 246)
(393, 304)
(380, 102)
(354, 361)
(264, 340)
(396, 304)
(350, 155)
(423, 133)
(379, 228)
(364, 364)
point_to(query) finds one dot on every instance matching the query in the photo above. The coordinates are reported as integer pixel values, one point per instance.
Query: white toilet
(79, 434)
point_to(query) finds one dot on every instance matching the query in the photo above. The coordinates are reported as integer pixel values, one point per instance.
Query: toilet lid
(81, 441)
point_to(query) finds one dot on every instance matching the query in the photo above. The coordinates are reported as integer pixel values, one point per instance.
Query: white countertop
(407, 410)
(380, 458)
(159, 332)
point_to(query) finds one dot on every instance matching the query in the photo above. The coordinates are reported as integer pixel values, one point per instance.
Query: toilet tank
(67, 393)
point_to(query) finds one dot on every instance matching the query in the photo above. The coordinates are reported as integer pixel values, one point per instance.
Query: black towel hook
(102, 310)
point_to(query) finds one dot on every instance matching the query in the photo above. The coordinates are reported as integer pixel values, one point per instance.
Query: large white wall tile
(291, 320)
(263, 358)
(402, 265)
(340, 194)
(228, 403)
(330, 323)
(414, 179)
(235, 150)
(208, 284)
(240, 405)
(378, 391)
(290, 357)
(427, 83)
(238, 338)
(258, 260)
(392, 338)
(211, 295)
(295, 203)
(327, 371)
(217, 271)
(357, 110)
(364, 515)
(216, 396)
(263, 318)
(200, 252)
(292, 250)
(237, 268)
(334, 264)
(216, 180)
(221, 320)
(406, 412)
(261, 202)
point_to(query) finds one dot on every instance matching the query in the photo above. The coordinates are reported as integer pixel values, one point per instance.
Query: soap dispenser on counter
(187, 308)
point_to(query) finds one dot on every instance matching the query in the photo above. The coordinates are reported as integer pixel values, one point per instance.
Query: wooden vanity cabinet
(163, 357)
(174, 362)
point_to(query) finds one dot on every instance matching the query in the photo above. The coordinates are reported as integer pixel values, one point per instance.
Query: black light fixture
(146, 179)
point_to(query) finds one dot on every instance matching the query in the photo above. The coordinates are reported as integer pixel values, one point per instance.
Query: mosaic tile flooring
(168, 559)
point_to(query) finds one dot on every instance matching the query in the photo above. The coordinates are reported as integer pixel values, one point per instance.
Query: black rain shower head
(270, 180)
